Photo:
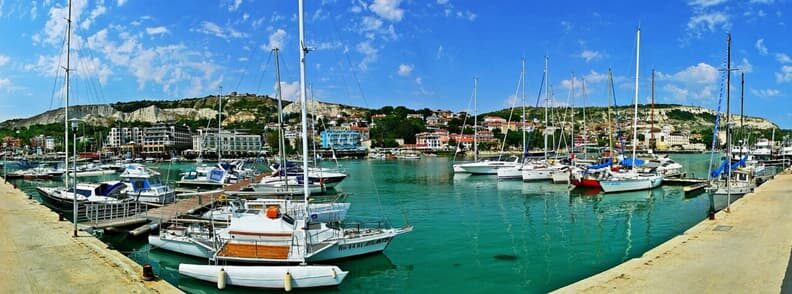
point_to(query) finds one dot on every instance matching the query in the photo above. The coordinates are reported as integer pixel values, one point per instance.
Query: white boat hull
(561, 176)
(349, 247)
(184, 246)
(272, 277)
(487, 167)
(631, 184)
(540, 174)
(510, 173)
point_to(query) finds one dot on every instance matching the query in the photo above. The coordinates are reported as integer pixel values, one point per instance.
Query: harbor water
(473, 234)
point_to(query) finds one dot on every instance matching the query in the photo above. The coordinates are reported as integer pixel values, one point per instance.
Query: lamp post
(74, 124)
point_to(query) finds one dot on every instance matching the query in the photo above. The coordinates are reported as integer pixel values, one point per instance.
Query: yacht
(486, 167)
(145, 185)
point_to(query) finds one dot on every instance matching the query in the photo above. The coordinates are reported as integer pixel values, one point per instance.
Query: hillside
(237, 109)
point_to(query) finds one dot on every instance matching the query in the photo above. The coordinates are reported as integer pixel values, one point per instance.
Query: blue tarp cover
(629, 162)
(601, 165)
(717, 172)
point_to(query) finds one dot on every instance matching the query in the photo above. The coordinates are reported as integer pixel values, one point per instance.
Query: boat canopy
(722, 168)
(629, 162)
(107, 189)
(605, 164)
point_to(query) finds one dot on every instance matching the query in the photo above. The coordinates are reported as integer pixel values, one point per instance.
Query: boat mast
(66, 108)
(304, 116)
(475, 119)
(635, 99)
(547, 101)
(728, 124)
(610, 123)
(281, 143)
(572, 120)
(219, 125)
(525, 145)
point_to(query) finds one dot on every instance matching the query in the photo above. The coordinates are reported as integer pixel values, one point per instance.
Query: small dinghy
(271, 277)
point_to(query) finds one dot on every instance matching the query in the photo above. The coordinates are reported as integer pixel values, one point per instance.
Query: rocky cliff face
(106, 115)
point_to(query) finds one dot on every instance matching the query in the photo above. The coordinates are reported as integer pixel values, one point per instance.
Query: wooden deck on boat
(250, 250)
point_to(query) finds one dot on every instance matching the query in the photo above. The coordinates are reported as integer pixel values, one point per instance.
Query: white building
(232, 141)
(668, 139)
(123, 136)
(49, 143)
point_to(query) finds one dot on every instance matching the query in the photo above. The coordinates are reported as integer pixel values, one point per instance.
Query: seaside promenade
(746, 250)
(39, 255)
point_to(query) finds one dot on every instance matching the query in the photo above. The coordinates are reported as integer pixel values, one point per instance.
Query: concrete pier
(39, 255)
(746, 250)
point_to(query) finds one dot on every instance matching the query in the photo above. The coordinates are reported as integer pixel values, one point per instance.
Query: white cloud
(784, 75)
(705, 3)
(5, 83)
(590, 55)
(442, 2)
(96, 12)
(4, 60)
(210, 28)
(289, 91)
(765, 93)
(745, 66)
(157, 30)
(387, 9)
(783, 58)
(439, 53)
(466, 15)
(121, 2)
(33, 10)
(234, 5)
(276, 39)
(594, 77)
(405, 69)
(760, 46)
(707, 22)
(55, 26)
(697, 82)
(370, 54)
(421, 89)
(370, 24)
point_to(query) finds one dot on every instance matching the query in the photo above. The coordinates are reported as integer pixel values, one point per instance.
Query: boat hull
(631, 184)
(270, 277)
(180, 246)
(510, 173)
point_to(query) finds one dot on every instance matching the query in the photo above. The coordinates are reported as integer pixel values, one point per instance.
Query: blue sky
(389, 52)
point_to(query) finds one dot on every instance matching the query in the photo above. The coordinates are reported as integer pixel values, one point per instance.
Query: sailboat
(515, 172)
(632, 180)
(484, 167)
(285, 277)
(543, 169)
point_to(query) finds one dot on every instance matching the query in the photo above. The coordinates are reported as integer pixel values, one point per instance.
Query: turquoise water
(475, 234)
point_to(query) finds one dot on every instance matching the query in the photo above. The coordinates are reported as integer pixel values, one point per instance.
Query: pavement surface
(38, 254)
(746, 250)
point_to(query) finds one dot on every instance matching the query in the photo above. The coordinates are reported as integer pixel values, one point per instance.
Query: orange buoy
(272, 212)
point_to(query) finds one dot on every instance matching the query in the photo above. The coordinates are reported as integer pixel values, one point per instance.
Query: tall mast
(610, 123)
(68, 85)
(547, 101)
(728, 126)
(635, 99)
(651, 128)
(303, 101)
(525, 145)
(219, 125)
(281, 143)
(572, 120)
(475, 119)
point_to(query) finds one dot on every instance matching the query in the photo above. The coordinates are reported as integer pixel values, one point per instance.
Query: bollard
(60, 216)
(148, 273)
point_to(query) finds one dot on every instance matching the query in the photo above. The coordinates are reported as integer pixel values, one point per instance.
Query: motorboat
(145, 185)
(62, 199)
(318, 212)
(630, 181)
(486, 167)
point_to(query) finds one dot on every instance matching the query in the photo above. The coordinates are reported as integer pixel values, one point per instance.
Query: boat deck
(251, 250)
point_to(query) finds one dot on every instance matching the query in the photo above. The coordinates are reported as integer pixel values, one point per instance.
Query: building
(341, 139)
(415, 115)
(433, 140)
(233, 142)
(11, 142)
(667, 139)
(163, 140)
(49, 143)
(123, 136)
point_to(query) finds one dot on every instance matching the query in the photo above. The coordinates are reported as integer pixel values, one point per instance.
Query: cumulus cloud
(784, 75)
(370, 54)
(707, 22)
(590, 55)
(4, 60)
(289, 91)
(157, 30)
(697, 82)
(387, 9)
(705, 3)
(121, 2)
(765, 93)
(760, 46)
(276, 39)
(783, 58)
(405, 69)
(234, 5)
(210, 28)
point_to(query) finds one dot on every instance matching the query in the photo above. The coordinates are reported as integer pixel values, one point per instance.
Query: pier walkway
(39, 255)
(744, 251)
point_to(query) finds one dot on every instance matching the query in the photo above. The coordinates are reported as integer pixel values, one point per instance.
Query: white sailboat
(541, 170)
(632, 180)
(484, 167)
(288, 277)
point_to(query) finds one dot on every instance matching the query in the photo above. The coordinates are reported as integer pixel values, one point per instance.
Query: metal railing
(96, 213)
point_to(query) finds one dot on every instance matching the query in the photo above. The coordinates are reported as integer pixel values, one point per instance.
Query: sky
(373, 53)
